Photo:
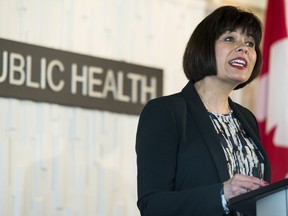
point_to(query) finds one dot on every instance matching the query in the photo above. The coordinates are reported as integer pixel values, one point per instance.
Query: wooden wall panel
(68, 161)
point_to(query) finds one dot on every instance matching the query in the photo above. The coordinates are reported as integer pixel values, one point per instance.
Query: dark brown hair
(199, 58)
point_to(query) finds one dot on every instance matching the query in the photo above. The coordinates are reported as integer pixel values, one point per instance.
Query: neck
(214, 99)
(219, 109)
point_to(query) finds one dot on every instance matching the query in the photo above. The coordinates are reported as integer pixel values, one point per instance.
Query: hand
(240, 184)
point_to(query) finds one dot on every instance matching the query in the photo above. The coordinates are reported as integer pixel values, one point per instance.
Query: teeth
(238, 62)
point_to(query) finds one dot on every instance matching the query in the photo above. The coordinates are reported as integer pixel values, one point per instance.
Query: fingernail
(266, 183)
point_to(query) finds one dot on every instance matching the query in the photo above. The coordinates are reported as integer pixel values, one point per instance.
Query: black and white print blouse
(241, 153)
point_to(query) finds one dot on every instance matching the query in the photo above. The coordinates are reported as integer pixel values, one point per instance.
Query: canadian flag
(272, 104)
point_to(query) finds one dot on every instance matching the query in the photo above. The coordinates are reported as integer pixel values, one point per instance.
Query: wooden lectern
(271, 200)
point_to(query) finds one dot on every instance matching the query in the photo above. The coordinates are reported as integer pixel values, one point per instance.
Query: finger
(236, 191)
(251, 179)
(250, 185)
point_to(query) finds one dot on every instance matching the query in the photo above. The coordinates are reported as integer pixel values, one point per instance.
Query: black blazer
(180, 161)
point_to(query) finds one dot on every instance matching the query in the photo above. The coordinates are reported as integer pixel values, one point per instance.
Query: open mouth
(238, 62)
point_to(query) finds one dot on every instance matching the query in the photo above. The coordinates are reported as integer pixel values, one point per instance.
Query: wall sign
(54, 76)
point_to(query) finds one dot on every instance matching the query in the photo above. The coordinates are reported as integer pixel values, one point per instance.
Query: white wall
(67, 161)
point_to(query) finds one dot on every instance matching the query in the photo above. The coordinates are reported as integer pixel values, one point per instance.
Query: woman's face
(235, 56)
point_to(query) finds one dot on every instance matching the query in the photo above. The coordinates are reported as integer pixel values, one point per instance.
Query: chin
(237, 82)
(240, 79)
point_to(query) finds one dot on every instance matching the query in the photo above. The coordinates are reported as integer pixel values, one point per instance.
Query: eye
(250, 44)
(229, 39)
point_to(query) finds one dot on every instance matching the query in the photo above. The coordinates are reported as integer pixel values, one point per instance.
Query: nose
(242, 48)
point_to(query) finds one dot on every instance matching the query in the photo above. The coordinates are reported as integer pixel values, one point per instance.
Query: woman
(197, 149)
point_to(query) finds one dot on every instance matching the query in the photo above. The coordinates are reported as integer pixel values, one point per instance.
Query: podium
(271, 200)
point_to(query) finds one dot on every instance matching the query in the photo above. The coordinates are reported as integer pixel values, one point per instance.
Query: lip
(239, 63)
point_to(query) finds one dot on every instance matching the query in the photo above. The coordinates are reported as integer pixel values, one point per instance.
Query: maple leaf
(277, 109)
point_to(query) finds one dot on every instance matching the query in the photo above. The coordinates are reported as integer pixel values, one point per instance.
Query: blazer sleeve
(157, 142)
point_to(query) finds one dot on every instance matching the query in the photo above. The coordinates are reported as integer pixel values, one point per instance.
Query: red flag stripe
(275, 28)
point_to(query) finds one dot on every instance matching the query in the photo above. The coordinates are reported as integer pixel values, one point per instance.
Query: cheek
(220, 56)
(253, 58)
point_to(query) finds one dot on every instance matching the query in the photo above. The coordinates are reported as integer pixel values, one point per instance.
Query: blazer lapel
(206, 129)
(249, 130)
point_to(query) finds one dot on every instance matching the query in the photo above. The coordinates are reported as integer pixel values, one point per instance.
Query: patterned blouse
(241, 153)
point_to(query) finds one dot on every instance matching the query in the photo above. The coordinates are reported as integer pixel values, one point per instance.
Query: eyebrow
(250, 34)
